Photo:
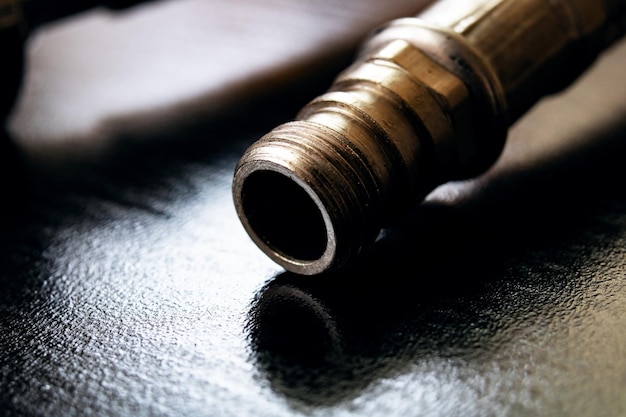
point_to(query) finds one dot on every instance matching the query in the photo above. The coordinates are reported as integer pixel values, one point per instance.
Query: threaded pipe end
(315, 192)
(306, 199)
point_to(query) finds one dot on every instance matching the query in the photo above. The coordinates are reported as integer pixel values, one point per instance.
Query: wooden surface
(128, 286)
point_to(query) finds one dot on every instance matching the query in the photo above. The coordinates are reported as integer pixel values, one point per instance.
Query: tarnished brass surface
(428, 100)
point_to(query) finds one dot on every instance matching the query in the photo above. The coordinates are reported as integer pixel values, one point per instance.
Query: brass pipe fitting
(428, 100)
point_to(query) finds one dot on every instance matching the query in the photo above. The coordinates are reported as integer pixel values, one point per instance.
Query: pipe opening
(283, 216)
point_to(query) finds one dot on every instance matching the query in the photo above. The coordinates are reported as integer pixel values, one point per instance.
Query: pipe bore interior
(283, 216)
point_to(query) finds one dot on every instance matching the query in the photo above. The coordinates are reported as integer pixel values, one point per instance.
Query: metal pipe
(428, 100)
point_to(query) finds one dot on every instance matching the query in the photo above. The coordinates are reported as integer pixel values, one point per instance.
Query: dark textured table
(128, 286)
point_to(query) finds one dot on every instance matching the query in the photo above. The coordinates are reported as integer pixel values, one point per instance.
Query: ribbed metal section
(429, 99)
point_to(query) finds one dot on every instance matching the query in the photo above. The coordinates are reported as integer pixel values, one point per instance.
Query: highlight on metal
(429, 99)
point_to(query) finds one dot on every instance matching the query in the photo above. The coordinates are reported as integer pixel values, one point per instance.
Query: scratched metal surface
(128, 286)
